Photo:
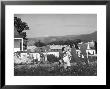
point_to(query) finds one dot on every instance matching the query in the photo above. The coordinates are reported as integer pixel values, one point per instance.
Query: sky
(44, 25)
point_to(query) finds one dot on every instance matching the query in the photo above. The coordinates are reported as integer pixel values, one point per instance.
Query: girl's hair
(63, 48)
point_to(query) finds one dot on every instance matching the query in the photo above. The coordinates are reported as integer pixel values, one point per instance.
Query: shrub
(51, 58)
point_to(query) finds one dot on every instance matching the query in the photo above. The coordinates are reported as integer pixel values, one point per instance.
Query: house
(87, 49)
(18, 41)
(56, 48)
(90, 48)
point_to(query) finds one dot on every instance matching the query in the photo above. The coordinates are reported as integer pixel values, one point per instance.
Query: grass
(53, 69)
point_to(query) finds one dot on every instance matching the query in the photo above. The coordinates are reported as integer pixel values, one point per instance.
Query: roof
(56, 46)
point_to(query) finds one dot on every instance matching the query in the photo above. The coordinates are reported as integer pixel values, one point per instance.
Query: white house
(55, 48)
(90, 49)
(18, 41)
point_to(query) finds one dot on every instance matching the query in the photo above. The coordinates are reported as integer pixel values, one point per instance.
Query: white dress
(66, 59)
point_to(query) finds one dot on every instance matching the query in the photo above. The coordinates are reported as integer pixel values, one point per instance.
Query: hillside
(87, 37)
(83, 37)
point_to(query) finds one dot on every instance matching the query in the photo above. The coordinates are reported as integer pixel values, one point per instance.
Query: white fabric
(38, 56)
(34, 55)
(66, 59)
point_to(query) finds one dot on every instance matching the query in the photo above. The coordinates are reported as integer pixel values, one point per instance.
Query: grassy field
(53, 69)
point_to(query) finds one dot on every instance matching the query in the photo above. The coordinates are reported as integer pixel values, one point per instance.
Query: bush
(51, 58)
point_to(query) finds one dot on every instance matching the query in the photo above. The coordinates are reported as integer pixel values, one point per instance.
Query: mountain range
(83, 37)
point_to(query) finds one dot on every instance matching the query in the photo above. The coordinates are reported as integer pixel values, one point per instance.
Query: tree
(39, 44)
(69, 42)
(77, 41)
(21, 26)
(95, 46)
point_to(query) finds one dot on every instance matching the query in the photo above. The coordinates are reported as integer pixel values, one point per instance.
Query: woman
(66, 58)
(61, 56)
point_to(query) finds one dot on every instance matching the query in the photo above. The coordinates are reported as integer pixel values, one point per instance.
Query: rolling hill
(83, 37)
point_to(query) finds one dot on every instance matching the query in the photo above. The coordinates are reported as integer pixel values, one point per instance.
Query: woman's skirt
(67, 60)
